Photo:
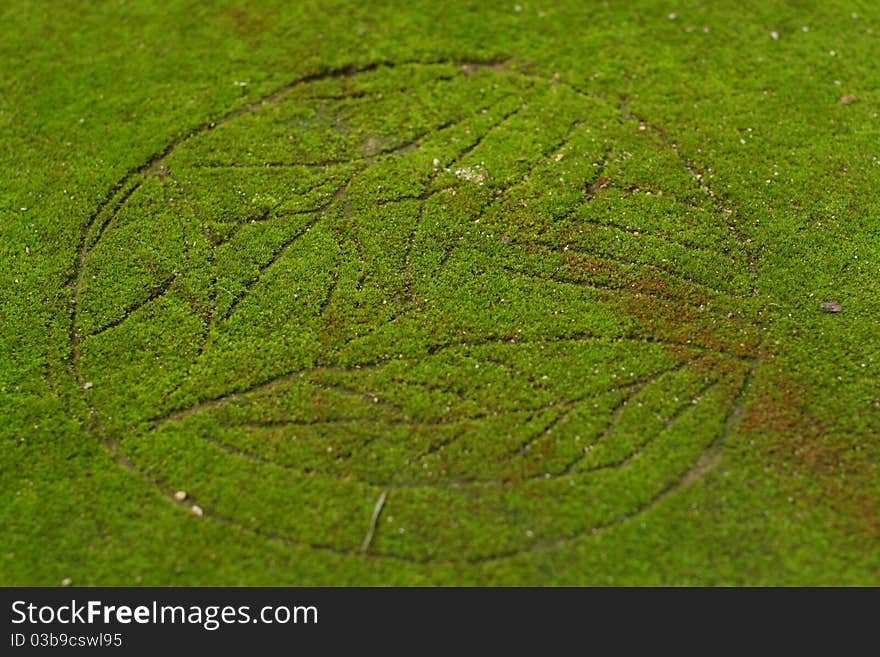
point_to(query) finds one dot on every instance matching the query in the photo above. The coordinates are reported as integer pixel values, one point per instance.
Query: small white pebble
(774, 35)
(195, 508)
(833, 53)
(180, 495)
(436, 163)
(673, 16)
(66, 581)
(87, 385)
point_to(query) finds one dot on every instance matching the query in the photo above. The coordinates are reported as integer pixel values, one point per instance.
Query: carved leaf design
(517, 309)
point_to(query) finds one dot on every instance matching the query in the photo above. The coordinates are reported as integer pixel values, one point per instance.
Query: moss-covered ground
(439, 293)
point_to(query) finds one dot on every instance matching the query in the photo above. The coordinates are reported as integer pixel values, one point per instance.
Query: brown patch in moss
(669, 309)
(683, 323)
(780, 413)
(250, 23)
(793, 435)
(722, 368)
(594, 267)
(640, 278)
(650, 283)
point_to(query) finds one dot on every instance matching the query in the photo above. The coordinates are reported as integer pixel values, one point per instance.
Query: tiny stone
(87, 385)
(774, 35)
(180, 495)
(831, 306)
(197, 510)
(66, 581)
(849, 98)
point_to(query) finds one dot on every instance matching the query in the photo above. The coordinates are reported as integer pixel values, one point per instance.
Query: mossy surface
(468, 293)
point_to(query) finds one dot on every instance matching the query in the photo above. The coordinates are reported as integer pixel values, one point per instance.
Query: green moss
(550, 278)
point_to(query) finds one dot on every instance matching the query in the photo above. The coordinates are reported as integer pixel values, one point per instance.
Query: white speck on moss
(476, 174)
